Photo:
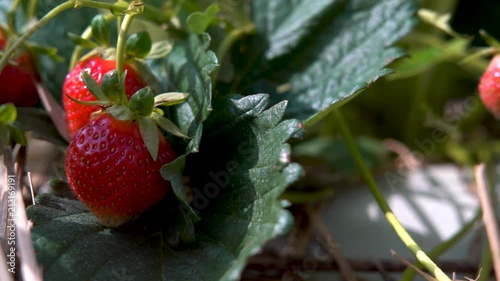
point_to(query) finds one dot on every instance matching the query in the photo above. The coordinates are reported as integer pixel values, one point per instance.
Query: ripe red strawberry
(111, 171)
(16, 80)
(489, 87)
(78, 115)
(113, 163)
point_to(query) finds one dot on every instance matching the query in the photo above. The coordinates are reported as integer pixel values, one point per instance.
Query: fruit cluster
(114, 159)
(108, 165)
(117, 145)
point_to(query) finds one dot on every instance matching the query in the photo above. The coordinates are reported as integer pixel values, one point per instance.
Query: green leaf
(8, 113)
(440, 21)
(120, 112)
(490, 40)
(100, 30)
(198, 22)
(150, 135)
(347, 50)
(235, 191)
(93, 102)
(51, 52)
(168, 126)
(160, 49)
(187, 69)
(94, 87)
(138, 45)
(80, 41)
(112, 87)
(285, 23)
(173, 172)
(168, 99)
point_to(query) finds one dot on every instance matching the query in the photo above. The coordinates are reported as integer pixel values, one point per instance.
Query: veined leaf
(187, 69)
(235, 194)
(198, 22)
(338, 58)
(285, 23)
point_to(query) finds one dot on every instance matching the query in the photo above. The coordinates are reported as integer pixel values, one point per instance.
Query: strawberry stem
(152, 13)
(134, 8)
(16, 46)
(405, 237)
(409, 273)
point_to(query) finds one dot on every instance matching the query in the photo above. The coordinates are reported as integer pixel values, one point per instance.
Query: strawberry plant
(177, 120)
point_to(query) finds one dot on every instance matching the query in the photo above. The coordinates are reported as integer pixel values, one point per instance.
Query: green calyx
(142, 102)
(138, 45)
(100, 30)
(142, 107)
(112, 88)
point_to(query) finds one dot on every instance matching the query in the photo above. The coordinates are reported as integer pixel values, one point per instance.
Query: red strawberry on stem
(78, 115)
(17, 79)
(113, 163)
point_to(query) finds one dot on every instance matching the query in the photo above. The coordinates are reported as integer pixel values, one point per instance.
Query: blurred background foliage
(429, 106)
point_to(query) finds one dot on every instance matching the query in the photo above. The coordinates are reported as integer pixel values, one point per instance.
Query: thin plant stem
(150, 12)
(409, 273)
(485, 266)
(31, 12)
(384, 206)
(95, 4)
(50, 15)
(489, 219)
(120, 45)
